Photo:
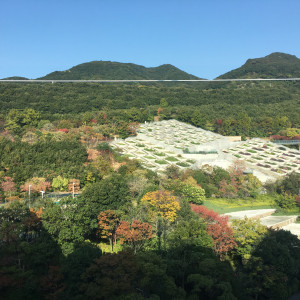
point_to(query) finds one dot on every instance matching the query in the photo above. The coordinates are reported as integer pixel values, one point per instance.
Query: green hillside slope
(215, 100)
(15, 78)
(114, 70)
(275, 65)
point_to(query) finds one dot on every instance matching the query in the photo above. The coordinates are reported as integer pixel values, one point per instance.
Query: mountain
(108, 70)
(275, 65)
(15, 78)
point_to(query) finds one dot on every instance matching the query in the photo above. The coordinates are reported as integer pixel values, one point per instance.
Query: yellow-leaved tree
(162, 203)
(162, 207)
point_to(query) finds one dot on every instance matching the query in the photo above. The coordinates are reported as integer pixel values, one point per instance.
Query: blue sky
(204, 38)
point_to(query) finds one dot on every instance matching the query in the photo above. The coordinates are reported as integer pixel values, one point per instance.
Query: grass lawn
(292, 212)
(224, 205)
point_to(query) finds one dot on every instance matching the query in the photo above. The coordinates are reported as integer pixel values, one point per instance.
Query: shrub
(103, 147)
(286, 201)
(190, 192)
(193, 194)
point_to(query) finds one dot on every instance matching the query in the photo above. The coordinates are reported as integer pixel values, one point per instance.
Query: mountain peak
(281, 55)
(274, 65)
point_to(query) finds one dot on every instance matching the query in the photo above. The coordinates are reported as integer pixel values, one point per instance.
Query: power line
(143, 80)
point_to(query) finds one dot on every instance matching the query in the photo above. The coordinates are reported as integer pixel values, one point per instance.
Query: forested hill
(108, 70)
(215, 100)
(275, 65)
(15, 78)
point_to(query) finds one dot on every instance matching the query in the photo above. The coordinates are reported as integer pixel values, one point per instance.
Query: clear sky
(203, 37)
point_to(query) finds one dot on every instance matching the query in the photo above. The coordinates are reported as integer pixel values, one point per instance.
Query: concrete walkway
(265, 217)
(294, 229)
(250, 214)
(278, 221)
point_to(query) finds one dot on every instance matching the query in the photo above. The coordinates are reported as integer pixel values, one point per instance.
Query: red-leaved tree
(134, 234)
(8, 186)
(36, 184)
(108, 222)
(218, 229)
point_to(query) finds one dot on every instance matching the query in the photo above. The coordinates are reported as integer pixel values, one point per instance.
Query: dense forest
(132, 234)
(262, 102)
(125, 232)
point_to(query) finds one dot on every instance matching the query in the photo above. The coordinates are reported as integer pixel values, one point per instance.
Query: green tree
(16, 120)
(198, 119)
(290, 184)
(190, 232)
(286, 201)
(163, 103)
(272, 272)
(250, 186)
(73, 266)
(248, 235)
(69, 223)
(110, 276)
(102, 166)
(190, 192)
(109, 193)
(244, 123)
(60, 183)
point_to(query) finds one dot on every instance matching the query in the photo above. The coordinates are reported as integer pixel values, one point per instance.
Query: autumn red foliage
(219, 122)
(36, 184)
(7, 186)
(76, 185)
(217, 228)
(65, 130)
(135, 234)
(108, 222)
(280, 137)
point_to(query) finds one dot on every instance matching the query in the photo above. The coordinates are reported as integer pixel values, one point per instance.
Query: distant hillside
(275, 65)
(15, 78)
(115, 70)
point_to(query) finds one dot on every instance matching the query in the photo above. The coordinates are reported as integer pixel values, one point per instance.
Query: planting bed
(276, 159)
(171, 142)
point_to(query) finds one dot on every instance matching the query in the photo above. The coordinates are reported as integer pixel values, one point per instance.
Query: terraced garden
(152, 156)
(160, 144)
(267, 156)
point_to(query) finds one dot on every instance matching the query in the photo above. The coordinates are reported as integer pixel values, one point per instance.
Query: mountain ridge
(274, 65)
(108, 70)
